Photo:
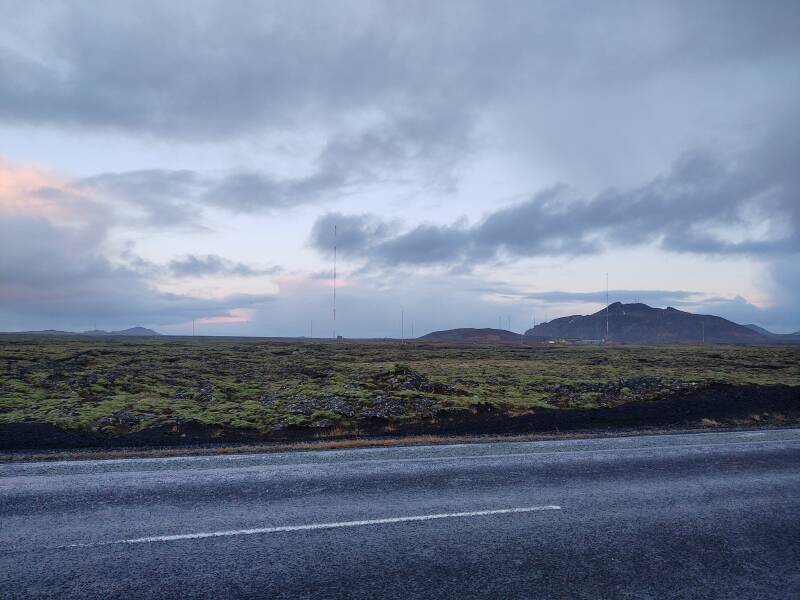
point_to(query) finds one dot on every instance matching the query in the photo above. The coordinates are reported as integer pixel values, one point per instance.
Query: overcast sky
(168, 161)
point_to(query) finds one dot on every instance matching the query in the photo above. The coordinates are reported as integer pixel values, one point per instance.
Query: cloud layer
(54, 272)
(704, 204)
(501, 132)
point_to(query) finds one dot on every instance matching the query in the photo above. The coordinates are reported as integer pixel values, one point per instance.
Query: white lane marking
(314, 526)
(752, 434)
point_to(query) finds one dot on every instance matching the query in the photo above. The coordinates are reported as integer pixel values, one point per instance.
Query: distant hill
(47, 332)
(780, 337)
(642, 323)
(132, 332)
(469, 334)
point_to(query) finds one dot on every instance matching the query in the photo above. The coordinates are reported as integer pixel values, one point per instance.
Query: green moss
(75, 382)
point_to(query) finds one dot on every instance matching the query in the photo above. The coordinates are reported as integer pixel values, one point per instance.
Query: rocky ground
(102, 391)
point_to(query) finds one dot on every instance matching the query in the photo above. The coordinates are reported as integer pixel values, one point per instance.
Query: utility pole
(402, 327)
(192, 327)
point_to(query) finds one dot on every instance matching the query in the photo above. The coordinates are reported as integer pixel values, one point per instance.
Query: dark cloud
(211, 264)
(165, 196)
(392, 92)
(224, 68)
(177, 198)
(705, 204)
(385, 154)
(353, 233)
(52, 279)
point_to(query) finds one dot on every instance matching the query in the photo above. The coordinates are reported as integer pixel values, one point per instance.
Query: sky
(482, 163)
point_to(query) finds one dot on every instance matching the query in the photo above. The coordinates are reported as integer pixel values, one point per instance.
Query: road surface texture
(672, 516)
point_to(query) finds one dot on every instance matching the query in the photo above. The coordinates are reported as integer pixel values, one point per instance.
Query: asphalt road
(679, 516)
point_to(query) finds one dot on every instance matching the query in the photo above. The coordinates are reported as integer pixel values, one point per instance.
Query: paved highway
(675, 516)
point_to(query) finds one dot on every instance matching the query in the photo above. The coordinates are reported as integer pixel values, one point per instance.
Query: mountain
(642, 323)
(469, 334)
(132, 332)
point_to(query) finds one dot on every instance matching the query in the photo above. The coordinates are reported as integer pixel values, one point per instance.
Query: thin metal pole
(606, 306)
(334, 282)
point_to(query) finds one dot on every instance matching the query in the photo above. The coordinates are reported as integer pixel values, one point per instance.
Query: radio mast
(606, 306)
(334, 282)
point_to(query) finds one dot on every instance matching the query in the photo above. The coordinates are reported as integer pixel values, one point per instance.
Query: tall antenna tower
(192, 327)
(334, 282)
(606, 306)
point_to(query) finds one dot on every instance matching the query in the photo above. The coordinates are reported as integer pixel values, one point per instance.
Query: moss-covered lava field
(117, 388)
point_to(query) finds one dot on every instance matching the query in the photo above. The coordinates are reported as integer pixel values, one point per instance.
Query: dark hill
(760, 330)
(642, 323)
(469, 334)
(778, 337)
(132, 332)
(44, 332)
